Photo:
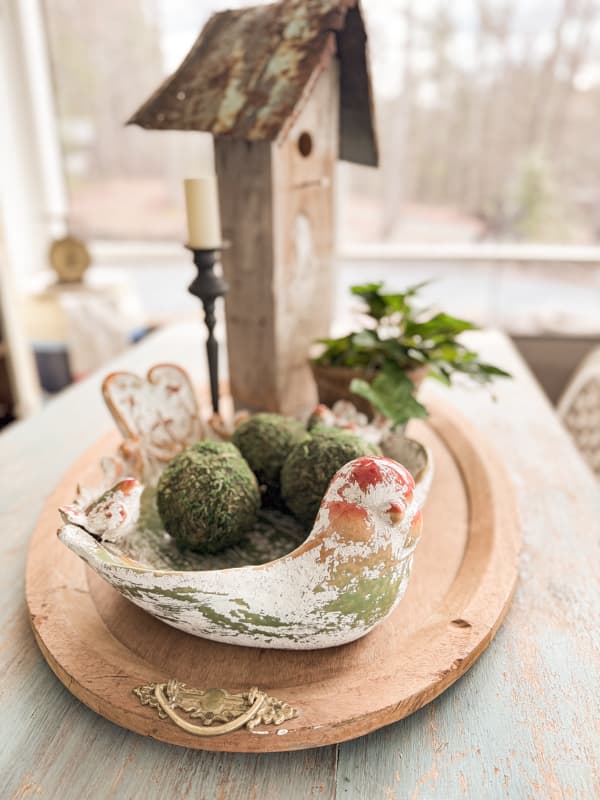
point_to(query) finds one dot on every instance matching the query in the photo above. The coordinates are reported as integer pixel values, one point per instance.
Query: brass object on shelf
(69, 258)
(219, 711)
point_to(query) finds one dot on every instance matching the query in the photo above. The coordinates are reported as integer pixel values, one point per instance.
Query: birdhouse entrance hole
(305, 144)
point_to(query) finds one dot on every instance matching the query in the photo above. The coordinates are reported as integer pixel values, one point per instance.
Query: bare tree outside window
(488, 111)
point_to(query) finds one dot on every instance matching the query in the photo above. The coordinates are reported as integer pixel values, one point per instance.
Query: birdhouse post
(277, 207)
(285, 90)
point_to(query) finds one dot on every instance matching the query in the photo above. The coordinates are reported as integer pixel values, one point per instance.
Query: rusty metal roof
(250, 70)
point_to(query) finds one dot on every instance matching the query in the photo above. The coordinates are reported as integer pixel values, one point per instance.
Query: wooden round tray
(101, 646)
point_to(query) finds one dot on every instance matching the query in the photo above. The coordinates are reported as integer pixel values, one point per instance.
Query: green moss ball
(311, 465)
(208, 497)
(265, 441)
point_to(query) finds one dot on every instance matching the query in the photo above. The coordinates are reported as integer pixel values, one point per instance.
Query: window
(488, 120)
(488, 117)
(123, 182)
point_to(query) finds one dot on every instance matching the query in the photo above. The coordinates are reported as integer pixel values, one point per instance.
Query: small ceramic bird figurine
(112, 515)
(344, 415)
(346, 577)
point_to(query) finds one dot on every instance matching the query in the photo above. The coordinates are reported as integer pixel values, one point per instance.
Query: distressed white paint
(517, 725)
(291, 602)
(158, 416)
(112, 516)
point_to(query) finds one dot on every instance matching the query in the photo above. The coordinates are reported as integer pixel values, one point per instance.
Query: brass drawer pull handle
(219, 711)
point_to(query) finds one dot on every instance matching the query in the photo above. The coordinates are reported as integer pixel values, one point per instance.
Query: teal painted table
(521, 723)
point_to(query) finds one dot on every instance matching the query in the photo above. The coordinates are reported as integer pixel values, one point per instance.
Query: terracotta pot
(333, 384)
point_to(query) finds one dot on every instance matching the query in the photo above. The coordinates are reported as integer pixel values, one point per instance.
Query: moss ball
(208, 497)
(265, 441)
(311, 465)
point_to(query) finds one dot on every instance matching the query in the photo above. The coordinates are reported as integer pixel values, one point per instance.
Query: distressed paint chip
(252, 69)
(330, 590)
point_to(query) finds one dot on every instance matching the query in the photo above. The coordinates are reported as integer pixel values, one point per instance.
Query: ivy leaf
(365, 339)
(382, 305)
(440, 325)
(492, 371)
(480, 372)
(400, 302)
(371, 294)
(441, 374)
(402, 334)
(391, 393)
(367, 288)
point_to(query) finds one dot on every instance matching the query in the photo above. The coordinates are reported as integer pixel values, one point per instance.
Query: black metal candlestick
(208, 286)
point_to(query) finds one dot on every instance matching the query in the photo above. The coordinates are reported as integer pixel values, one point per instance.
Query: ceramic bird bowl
(278, 588)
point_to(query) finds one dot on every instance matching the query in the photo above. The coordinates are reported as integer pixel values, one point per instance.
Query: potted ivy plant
(380, 366)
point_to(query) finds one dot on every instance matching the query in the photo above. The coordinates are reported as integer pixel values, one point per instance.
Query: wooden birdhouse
(285, 90)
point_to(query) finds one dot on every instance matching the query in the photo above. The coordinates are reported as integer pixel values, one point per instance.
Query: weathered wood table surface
(523, 722)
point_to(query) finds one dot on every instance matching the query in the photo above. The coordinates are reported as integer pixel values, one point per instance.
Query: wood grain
(522, 723)
(246, 202)
(303, 230)
(51, 745)
(101, 646)
(277, 212)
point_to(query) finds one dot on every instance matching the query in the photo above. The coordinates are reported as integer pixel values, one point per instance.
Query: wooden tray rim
(482, 599)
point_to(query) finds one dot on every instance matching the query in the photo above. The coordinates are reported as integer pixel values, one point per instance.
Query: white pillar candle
(202, 208)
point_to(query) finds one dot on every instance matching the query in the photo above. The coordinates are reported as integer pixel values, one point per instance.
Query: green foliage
(392, 393)
(401, 337)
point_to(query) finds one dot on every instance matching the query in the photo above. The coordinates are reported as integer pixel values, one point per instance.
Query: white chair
(579, 409)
